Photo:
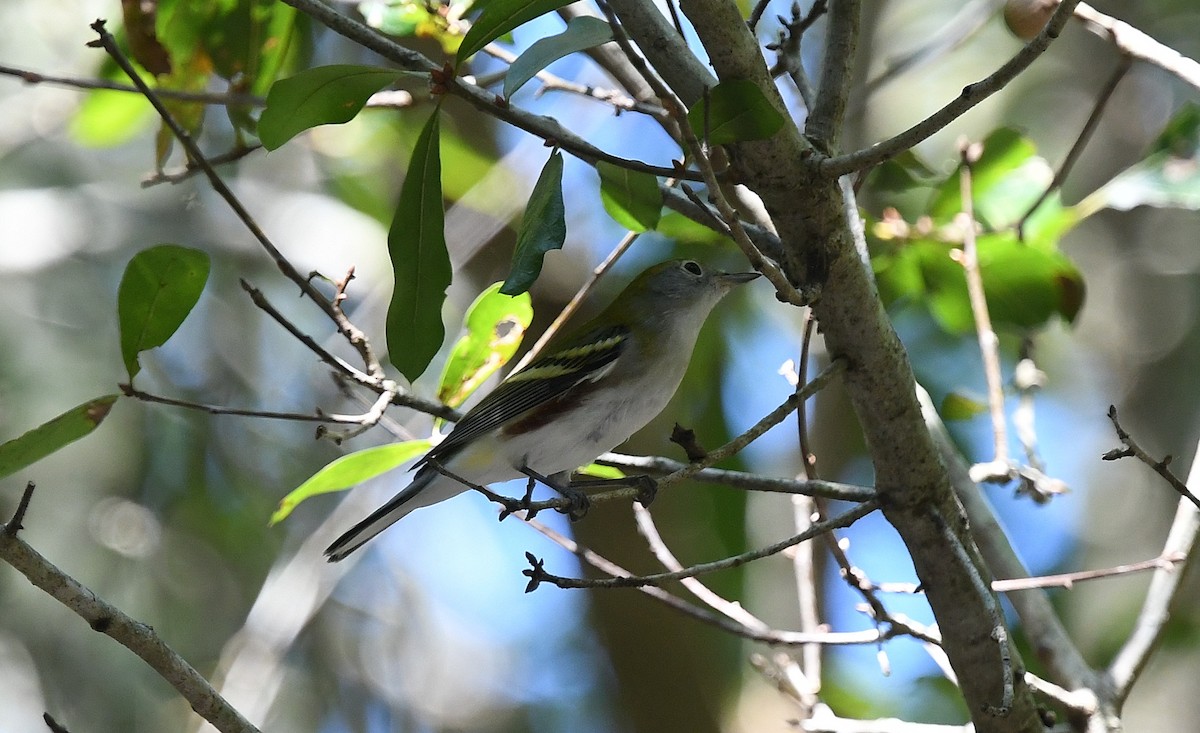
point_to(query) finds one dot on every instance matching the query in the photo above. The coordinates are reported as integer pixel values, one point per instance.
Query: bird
(591, 388)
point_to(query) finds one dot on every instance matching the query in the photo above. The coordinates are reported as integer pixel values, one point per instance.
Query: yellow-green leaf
(349, 470)
(495, 325)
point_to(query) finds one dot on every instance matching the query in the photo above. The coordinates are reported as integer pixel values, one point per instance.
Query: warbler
(592, 388)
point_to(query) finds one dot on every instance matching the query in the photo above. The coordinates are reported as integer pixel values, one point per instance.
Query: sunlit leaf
(109, 118)
(1168, 177)
(737, 110)
(603, 472)
(632, 198)
(420, 263)
(51, 436)
(160, 287)
(495, 324)
(500, 17)
(543, 228)
(674, 225)
(958, 406)
(321, 96)
(582, 32)
(350, 470)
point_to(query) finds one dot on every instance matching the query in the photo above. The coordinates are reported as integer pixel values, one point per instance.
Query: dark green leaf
(159, 288)
(49, 437)
(960, 407)
(420, 263)
(632, 198)
(737, 111)
(320, 96)
(582, 32)
(500, 17)
(495, 324)
(543, 228)
(350, 470)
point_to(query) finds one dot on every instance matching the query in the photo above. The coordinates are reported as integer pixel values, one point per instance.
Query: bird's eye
(693, 267)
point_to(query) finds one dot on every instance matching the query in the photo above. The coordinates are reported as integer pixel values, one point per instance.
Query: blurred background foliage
(164, 511)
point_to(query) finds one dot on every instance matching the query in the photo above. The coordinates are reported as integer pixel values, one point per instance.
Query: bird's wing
(581, 359)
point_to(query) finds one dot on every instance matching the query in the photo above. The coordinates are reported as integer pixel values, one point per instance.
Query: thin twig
(769, 421)
(1133, 449)
(318, 417)
(1068, 580)
(989, 343)
(772, 636)
(732, 609)
(580, 295)
(228, 99)
(660, 466)
(538, 574)
(191, 168)
(970, 96)
(1080, 142)
(1138, 45)
(806, 511)
(14, 525)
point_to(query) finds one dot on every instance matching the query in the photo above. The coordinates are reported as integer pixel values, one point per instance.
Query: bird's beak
(729, 279)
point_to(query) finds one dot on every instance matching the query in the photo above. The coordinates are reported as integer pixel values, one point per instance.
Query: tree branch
(971, 95)
(135, 636)
(837, 72)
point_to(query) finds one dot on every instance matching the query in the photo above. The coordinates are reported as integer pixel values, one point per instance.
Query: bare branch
(538, 574)
(1135, 43)
(971, 95)
(1162, 468)
(824, 122)
(1081, 141)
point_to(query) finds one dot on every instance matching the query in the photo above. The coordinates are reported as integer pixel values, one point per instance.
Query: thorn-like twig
(1132, 449)
(14, 525)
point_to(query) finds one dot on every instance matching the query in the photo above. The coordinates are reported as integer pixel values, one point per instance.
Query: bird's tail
(427, 488)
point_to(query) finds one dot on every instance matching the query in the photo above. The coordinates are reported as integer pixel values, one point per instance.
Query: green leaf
(737, 111)
(960, 407)
(674, 225)
(1024, 286)
(1006, 180)
(632, 198)
(598, 471)
(160, 287)
(582, 32)
(420, 263)
(500, 17)
(543, 228)
(1168, 177)
(51, 436)
(495, 325)
(350, 470)
(321, 96)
